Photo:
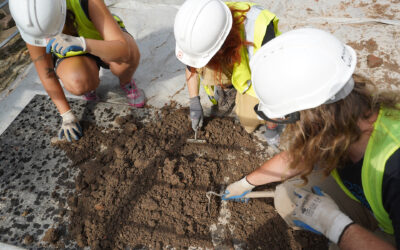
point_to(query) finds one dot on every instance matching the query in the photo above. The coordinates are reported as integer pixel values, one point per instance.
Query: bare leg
(125, 71)
(79, 74)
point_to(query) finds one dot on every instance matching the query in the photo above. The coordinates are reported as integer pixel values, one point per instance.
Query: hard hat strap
(290, 118)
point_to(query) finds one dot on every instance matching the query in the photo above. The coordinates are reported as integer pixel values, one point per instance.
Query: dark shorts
(99, 62)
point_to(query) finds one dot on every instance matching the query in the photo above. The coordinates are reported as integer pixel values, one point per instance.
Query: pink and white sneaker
(91, 96)
(135, 95)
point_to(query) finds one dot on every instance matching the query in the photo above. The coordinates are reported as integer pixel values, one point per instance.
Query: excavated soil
(141, 185)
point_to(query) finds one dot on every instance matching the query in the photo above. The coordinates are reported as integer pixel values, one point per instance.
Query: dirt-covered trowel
(195, 140)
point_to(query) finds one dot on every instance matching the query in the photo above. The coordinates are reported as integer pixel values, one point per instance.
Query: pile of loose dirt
(142, 185)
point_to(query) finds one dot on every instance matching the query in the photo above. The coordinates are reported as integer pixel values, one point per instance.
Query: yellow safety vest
(253, 30)
(84, 26)
(384, 141)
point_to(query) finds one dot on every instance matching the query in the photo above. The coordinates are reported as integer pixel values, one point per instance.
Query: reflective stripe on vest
(384, 141)
(249, 27)
(254, 30)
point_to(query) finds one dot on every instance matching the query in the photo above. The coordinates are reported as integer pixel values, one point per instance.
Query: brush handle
(260, 194)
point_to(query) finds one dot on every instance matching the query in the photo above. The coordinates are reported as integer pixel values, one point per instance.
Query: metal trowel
(195, 140)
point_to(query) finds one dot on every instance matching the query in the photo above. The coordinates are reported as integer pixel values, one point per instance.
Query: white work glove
(318, 213)
(62, 44)
(70, 127)
(237, 190)
(196, 113)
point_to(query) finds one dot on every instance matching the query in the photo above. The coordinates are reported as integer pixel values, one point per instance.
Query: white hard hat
(38, 19)
(301, 69)
(201, 27)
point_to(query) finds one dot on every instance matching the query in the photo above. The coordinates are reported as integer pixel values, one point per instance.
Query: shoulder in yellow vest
(384, 141)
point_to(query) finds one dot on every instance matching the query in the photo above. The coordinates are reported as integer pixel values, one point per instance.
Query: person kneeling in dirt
(216, 40)
(333, 122)
(70, 40)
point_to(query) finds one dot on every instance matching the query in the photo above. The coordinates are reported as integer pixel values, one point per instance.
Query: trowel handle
(260, 194)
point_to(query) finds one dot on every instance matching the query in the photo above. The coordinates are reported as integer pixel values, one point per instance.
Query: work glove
(70, 127)
(318, 213)
(62, 44)
(196, 113)
(237, 190)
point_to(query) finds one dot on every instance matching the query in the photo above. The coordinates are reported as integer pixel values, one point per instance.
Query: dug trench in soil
(143, 186)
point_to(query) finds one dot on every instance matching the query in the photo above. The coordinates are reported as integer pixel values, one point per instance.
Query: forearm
(192, 80)
(274, 170)
(56, 93)
(356, 237)
(110, 51)
(44, 67)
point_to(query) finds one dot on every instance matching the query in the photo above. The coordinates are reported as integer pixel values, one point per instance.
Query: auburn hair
(323, 135)
(229, 53)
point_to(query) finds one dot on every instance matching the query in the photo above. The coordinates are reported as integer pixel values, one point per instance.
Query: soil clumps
(51, 236)
(141, 185)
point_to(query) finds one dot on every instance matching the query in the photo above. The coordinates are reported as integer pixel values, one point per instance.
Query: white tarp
(369, 26)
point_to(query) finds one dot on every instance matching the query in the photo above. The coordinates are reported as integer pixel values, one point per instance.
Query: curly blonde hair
(323, 135)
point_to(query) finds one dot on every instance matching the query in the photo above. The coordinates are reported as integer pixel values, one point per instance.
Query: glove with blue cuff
(237, 190)
(62, 44)
(317, 212)
(70, 127)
